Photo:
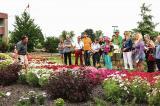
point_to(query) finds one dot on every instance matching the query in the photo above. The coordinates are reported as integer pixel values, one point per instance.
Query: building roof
(3, 15)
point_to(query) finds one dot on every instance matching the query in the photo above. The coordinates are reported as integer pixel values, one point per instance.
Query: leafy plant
(154, 97)
(99, 102)
(22, 78)
(5, 60)
(71, 85)
(9, 74)
(23, 102)
(43, 81)
(40, 99)
(139, 89)
(31, 98)
(59, 102)
(32, 79)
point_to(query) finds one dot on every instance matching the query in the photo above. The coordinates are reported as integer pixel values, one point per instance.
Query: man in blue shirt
(22, 51)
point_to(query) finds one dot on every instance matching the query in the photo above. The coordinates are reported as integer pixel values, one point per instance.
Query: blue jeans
(108, 61)
(87, 57)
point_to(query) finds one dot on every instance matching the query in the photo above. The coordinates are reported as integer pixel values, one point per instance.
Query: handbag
(151, 57)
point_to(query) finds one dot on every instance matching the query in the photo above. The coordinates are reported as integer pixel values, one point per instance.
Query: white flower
(8, 93)
(121, 85)
(125, 88)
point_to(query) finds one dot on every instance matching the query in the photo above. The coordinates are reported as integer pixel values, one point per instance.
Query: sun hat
(107, 39)
(116, 31)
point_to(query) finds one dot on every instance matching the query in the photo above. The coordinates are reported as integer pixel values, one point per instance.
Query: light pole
(114, 28)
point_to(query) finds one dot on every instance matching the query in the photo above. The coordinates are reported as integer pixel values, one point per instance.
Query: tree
(90, 34)
(146, 26)
(24, 25)
(98, 33)
(65, 33)
(51, 44)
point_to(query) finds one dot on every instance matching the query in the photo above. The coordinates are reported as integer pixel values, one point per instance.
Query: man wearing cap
(117, 43)
(87, 49)
(78, 46)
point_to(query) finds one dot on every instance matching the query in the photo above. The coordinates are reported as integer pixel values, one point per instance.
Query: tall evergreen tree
(146, 25)
(24, 25)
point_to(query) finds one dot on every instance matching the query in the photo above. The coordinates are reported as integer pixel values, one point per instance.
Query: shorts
(22, 59)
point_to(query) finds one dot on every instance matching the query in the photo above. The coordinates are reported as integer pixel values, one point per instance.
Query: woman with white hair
(127, 51)
(149, 51)
(138, 52)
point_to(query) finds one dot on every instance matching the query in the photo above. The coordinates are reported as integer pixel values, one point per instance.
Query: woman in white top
(78, 51)
(95, 49)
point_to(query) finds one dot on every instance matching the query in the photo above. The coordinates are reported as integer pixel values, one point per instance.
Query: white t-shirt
(95, 47)
(79, 45)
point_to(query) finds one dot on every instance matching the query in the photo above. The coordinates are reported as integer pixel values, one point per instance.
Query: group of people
(133, 50)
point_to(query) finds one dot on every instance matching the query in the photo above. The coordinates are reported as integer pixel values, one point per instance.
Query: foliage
(24, 25)
(117, 90)
(3, 46)
(9, 74)
(31, 98)
(5, 60)
(35, 77)
(139, 89)
(65, 33)
(90, 34)
(32, 79)
(98, 33)
(99, 102)
(154, 97)
(71, 85)
(59, 102)
(146, 26)
(22, 77)
(51, 44)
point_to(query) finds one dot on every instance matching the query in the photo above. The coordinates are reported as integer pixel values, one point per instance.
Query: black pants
(151, 66)
(158, 64)
(67, 55)
(87, 57)
(96, 59)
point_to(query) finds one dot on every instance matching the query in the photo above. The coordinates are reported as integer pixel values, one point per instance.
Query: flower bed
(119, 86)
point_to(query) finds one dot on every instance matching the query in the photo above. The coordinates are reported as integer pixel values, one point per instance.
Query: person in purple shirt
(138, 52)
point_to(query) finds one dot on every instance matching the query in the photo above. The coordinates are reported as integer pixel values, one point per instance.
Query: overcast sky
(54, 16)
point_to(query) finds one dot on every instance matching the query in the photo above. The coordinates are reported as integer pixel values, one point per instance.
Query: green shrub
(111, 90)
(32, 79)
(5, 60)
(59, 102)
(139, 89)
(31, 98)
(154, 97)
(43, 81)
(22, 78)
(40, 99)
